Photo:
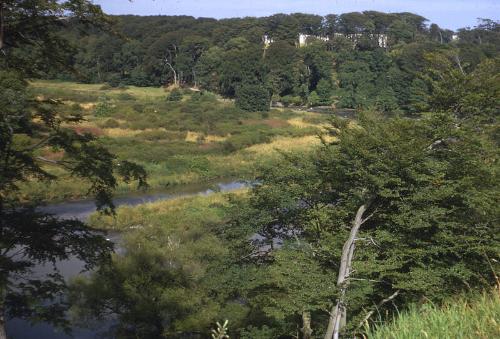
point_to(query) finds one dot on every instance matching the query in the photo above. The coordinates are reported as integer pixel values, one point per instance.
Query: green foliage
(258, 333)
(220, 56)
(103, 107)
(429, 231)
(245, 139)
(252, 98)
(28, 126)
(175, 95)
(313, 99)
(324, 91)
(289, 100)
(162, 286)
(473, 95)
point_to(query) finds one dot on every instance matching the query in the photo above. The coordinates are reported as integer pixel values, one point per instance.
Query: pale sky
(450, 14)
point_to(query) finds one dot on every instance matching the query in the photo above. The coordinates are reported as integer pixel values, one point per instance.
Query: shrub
(125, 97)
(103, 107)
(313, 99)
(248, 138)
(252, 98)
(290, 100)
(114, 80)
(175, 95)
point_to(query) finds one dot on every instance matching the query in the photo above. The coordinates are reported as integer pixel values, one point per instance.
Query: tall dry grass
(462, 319)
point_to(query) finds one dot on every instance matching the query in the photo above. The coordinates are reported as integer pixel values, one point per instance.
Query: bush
(249, 138)
(114, 80)
(252, 98)
(125, 97)
(103, 107)
(313, 99)
(175, 95)
(290, 100)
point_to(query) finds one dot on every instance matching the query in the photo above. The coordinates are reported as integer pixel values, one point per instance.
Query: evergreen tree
(324, 91)
(252, 98)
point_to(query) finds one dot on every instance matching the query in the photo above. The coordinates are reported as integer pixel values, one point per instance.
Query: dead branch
(369, 314)
(338, 315)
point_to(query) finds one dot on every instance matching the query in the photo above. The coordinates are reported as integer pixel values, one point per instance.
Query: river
(81, 210)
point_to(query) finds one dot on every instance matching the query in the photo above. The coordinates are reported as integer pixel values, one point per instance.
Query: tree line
(350, 70)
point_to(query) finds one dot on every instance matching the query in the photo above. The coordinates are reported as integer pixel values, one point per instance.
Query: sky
(451, 14)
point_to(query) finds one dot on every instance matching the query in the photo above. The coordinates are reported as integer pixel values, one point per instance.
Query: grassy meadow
(196, 138)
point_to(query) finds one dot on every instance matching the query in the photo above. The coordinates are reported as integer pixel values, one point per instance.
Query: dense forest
(367, 226)
(370, 59)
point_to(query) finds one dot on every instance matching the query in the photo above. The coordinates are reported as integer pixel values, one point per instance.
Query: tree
(324, 91)
(428, 226)
(164, 285)
(252, 98)
(28, 125)
(285, 69)
(473, 95)
(242, 63)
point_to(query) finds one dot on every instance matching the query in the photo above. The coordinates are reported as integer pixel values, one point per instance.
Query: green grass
(462, 319)
(195, 140)
(181, 214)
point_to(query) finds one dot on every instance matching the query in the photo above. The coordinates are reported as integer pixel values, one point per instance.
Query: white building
(381, 39)
(305, 38)
(267, 40)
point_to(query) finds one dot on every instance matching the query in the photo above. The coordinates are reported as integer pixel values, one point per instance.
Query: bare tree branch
(338, 315)
(369, 314)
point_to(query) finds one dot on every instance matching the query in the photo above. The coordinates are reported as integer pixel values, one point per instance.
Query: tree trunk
(306, 325)
(173, 71)
(338, 314)
(2, 27)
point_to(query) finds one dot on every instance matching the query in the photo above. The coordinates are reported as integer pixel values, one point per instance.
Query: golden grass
(88, 106)
(285, 144)
(138, 92)
(300, 123)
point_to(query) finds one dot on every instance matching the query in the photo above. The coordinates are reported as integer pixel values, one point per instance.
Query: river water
(81, 210)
